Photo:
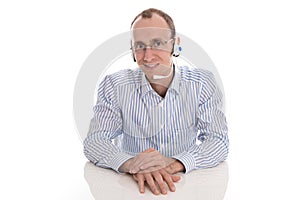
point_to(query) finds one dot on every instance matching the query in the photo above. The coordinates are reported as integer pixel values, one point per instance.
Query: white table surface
(207, 184)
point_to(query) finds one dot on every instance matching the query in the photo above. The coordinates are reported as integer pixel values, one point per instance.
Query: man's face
(152, 45)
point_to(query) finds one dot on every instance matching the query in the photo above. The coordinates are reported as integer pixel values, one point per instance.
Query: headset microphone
(161, 77)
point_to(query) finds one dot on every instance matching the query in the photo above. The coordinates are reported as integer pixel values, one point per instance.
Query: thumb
(148, 150)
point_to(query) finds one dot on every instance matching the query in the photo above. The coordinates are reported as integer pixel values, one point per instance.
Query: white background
(254, 45)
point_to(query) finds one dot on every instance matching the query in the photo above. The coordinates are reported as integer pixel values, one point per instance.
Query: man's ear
(176, 48)
(178, 41)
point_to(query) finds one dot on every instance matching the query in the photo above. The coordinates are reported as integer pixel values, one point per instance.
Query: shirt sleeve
(211, 123)
(105, 125)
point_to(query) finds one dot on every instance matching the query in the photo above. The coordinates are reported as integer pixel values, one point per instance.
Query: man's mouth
(151, 65)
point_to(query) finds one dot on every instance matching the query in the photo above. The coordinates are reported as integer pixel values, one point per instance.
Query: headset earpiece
(133, 57)
(132, 54)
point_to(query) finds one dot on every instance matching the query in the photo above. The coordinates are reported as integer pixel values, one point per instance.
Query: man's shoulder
(124, 77)
(195, 74)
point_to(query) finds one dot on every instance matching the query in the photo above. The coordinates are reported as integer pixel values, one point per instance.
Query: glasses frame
(150, 45)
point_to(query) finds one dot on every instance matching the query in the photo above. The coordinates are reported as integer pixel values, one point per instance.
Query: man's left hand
(151, 160)
(148, 161)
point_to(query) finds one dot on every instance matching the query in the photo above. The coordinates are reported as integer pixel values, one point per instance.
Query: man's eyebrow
(157, 38)
(139, 41)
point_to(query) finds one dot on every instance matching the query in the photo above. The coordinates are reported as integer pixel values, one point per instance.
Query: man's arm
(105, 126)
(212, 125)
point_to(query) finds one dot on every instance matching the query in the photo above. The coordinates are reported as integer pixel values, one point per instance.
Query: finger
(148, 150)
(150, 169)
(159, 180)
(169, 180)
(151, 183)
(141, 180)
(175, 178)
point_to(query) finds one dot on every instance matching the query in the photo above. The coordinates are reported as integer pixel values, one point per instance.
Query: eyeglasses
(155, 44)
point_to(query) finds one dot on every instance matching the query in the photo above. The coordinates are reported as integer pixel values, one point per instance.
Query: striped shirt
(188, 124)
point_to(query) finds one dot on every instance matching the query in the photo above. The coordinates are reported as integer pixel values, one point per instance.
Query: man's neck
(161, 86)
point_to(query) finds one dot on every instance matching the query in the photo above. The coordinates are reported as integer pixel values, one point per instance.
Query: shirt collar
(145, 86)
(175, 85)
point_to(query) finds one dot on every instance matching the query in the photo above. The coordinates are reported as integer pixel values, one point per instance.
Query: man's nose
(148, 54)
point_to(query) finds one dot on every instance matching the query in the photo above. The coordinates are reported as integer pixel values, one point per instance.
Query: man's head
(153, 38)
(148, 14)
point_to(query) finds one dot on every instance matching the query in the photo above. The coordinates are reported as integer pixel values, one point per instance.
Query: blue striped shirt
(188, 124)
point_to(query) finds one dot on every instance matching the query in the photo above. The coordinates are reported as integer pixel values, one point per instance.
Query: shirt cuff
(118, 160)
(187, 160)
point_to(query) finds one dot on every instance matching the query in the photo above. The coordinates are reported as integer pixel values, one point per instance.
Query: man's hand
(156, 181)
(151, 160)
(128, 165)
(156, 170)
(148, 161)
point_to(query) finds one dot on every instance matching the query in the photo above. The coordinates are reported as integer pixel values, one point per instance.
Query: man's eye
(140, 46)
(157, 43)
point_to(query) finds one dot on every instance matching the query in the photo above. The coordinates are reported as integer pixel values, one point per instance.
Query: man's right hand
(156, 181)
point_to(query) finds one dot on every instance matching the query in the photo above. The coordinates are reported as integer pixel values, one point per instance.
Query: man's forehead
(151, 33)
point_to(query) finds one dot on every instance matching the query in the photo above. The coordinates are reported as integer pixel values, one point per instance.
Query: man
(167, 119)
